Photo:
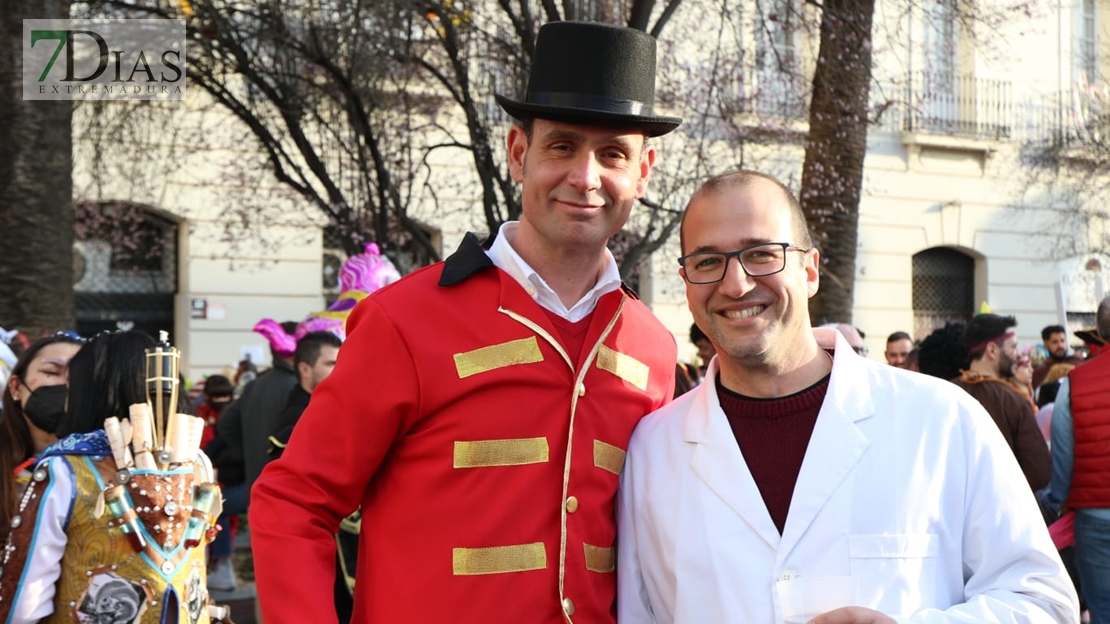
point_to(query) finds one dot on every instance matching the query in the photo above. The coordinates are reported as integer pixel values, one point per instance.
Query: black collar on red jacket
(471, 257)
(467, 260)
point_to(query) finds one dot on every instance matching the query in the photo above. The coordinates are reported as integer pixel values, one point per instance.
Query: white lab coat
(907, 486)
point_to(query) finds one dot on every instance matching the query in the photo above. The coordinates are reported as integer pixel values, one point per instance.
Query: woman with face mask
(101, 512)
(34, 403)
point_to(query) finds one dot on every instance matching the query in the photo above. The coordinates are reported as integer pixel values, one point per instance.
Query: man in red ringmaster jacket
(480, 408)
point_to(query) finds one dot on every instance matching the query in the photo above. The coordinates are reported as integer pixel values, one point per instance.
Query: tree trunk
(832, 174)
(36, 218)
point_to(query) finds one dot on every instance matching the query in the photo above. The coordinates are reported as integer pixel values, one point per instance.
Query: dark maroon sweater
(773, 435)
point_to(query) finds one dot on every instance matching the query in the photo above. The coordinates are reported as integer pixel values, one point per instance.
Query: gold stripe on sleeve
(485, 453)
(624, 366)
(498, 559)
(608, 457)
(523, 351)
(599, 559)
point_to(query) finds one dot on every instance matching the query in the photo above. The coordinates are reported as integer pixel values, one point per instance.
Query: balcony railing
(771, 95)
(778, 95)
(1077, 119)
(962, 106)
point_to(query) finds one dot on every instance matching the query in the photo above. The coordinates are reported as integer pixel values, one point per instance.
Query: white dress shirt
(508, 260)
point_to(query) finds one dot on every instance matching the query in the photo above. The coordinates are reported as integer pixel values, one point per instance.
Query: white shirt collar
(508, 260)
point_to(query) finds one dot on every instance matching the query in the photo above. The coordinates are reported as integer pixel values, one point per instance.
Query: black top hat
(592, 74)
(1090, 336)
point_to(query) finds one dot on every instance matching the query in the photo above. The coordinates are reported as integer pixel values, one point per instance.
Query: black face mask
(46, 406)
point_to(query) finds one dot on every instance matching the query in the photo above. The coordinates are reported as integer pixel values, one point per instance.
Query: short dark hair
(984, 328)
(697, 334)
(942, 353)
(218, 386)
(799, 229)
(898, 335)
(310, 345)
(1047, 332)
(912, 358)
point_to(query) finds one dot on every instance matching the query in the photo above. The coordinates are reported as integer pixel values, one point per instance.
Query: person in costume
(360, 275)
(34, 401)
(107, 511)
(480, 407)
(315, 359)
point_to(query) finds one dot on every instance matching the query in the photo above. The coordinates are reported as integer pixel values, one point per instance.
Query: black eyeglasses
(708, 267)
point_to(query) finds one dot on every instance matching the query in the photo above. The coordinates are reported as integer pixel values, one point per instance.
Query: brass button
(572, 504)
(581, 389)
(568, 606)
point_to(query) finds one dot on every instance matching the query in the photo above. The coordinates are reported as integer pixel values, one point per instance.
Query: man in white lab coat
(799, 484)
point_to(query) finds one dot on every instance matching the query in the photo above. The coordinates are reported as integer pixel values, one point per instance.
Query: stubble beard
(1006, 365)
(747, 353)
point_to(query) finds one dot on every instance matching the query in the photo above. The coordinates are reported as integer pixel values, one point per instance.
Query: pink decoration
(367, 271)
(360, 275)
(282, 343)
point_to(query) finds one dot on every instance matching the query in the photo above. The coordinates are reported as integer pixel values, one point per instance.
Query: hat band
(998, 340)
(589, 102)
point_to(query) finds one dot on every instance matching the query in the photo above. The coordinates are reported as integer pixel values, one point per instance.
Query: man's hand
(852, 615)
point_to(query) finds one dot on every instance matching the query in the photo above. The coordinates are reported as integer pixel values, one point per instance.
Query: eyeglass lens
(757, 261)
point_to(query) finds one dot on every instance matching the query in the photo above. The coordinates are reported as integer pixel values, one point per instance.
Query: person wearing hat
(480, 409)
(1092, 340)
(1081, 468)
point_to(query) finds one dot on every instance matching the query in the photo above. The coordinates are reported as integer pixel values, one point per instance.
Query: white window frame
(1086, 50)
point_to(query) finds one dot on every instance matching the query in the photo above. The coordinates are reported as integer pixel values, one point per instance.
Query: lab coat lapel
(835, 446)
(717, 461)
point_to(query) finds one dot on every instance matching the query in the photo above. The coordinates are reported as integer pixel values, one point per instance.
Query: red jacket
(1090, 407)
(447, 418)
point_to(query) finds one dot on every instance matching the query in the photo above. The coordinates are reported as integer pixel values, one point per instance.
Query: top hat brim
(652, 125)
(1090, 336)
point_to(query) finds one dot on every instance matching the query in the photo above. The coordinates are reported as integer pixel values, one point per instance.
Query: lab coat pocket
(897, 573)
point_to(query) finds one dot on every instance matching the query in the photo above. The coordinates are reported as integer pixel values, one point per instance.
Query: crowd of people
(509, 435)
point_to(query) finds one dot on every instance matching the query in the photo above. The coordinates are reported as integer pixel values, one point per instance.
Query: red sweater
(773, 435)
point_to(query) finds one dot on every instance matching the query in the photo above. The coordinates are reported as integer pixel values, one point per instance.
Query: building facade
(970, 192)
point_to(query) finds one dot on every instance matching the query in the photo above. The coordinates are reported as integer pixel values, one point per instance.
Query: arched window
(943, 289)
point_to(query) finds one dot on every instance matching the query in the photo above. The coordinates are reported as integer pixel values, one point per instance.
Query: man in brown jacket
(992, 344)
